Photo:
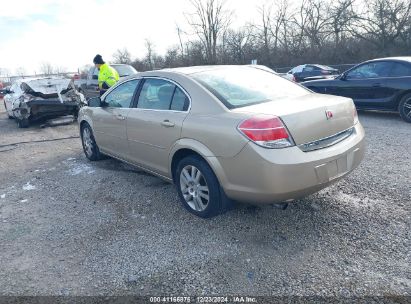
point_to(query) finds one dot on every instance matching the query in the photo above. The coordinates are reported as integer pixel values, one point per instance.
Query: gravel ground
(73, 227)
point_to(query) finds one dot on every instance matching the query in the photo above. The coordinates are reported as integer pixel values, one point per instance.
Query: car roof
(398, 58)
(187, 71)
(200, 68)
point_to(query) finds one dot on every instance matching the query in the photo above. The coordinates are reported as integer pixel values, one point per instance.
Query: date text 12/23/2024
(204, 299)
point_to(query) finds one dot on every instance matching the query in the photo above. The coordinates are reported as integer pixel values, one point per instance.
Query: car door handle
(376, 85)
(167, 124)
(120, 117)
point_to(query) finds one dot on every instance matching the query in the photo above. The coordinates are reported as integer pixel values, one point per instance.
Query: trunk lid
(45, 87)
(310, 117)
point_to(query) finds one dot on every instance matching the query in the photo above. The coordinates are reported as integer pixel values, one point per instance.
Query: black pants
(104, 88)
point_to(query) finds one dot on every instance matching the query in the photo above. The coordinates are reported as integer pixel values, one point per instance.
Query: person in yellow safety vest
(107, 75)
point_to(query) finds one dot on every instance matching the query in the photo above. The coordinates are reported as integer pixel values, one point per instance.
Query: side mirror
(95, 77)
(343, 76)
(94, 102)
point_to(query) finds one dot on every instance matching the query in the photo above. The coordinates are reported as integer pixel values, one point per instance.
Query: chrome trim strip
(327, 141)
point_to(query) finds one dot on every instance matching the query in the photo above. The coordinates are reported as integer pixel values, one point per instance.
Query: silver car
(225, 133)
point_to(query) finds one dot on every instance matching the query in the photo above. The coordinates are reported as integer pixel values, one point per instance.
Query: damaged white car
(33, 99)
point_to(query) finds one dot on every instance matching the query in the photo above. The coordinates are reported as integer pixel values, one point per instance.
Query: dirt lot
(73, 227)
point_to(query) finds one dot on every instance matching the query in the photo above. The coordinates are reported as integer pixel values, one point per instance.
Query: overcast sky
(68, 33)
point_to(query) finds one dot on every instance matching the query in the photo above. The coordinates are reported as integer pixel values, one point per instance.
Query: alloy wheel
(88, 142)
(194, 188)
(407, 108)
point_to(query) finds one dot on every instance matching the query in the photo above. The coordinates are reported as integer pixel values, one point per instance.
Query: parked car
(262, 67)
(89, 86)
(223, 133)
(310, 71)
(39, 98)
(379, 84)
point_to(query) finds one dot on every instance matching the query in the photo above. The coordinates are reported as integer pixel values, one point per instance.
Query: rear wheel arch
(399, 98)
(181, 154)
(186, 147)
(404, 107)
(82, 124)
(85, 122)
(220, 202)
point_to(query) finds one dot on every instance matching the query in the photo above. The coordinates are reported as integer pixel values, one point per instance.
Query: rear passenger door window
(160, 94)
(180, 101)
(400, 70)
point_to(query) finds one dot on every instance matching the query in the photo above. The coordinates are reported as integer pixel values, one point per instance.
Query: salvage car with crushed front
(32, 99)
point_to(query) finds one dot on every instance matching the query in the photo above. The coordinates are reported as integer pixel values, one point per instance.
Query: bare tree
(263, 30)
(122, 56)
(209, 21)
(21, 71)
(341, 14)
(60, 70)
(46, 68)
(382, 22)
(287, 34)
(150, 52)
(313, 22)
(179, 33)
(237, 43)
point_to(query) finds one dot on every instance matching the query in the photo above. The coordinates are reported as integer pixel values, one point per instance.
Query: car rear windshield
(124, 70)
(239, 87)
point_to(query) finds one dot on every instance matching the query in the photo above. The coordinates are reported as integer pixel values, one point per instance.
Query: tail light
(267, 131)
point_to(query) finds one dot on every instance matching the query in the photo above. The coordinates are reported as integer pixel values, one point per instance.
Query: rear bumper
(259, 175)
(45, 108)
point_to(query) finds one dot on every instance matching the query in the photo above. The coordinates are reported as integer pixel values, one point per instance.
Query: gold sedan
(225, 133)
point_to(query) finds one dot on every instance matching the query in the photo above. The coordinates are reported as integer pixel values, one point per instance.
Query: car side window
(180, 101)
(121, 96)
(308, 68)
(400, 70)
(370, 70)
(156, 94)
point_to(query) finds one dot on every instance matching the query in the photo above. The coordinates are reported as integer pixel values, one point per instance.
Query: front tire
(198, 187)
(405, 108)
(10, 117)
(90, 148)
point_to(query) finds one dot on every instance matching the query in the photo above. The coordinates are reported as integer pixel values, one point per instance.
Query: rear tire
(90, 148)
(405, 108)
(198, 188)
(23, 123)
